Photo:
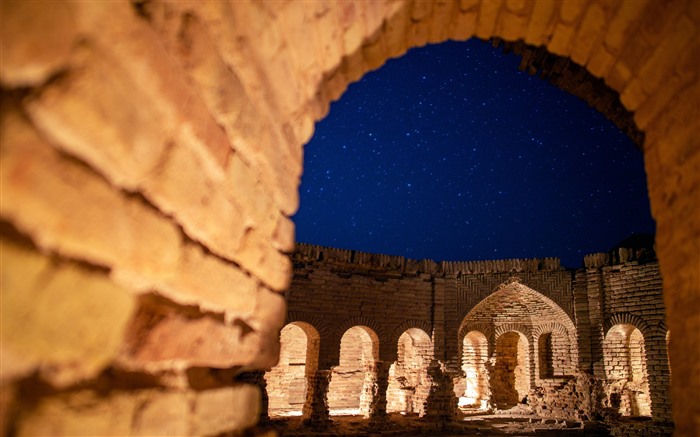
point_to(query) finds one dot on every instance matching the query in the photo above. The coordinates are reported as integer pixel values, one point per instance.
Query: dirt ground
(412, 426)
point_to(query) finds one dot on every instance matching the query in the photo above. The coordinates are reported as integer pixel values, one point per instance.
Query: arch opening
(350, 388)
(475, 392)
(554, 354)
(510, 382)
(544, 352)
(287, 382)
(409, 386)
(626, 371)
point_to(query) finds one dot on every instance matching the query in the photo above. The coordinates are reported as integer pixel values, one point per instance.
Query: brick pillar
(315, 411)
(659, 377)
(377, 407)
(438, 335)
(452, 322)
(583, 323)
(596, 305)
(441, 403)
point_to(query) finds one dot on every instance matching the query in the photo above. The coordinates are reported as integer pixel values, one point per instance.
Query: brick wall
(151, 153)
(514, 345)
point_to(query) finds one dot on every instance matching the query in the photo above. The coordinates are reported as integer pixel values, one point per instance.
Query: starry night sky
(451, 153)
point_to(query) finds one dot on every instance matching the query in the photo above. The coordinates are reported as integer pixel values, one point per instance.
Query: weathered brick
(465, 25)
(561, 39)
(443, 11)
(588, 34)
(541, 23)
(82, 413)
(661, 61)
(162, 413)
(188, 192)
(224, 409)
(513, 22)
(36, 42)
(133, 135)
(621, 26)
(375, 54)
(55, 319)
(395, 32)
(258, 255)
(488, 16)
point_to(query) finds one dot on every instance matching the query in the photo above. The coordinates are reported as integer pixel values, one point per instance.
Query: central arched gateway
(512, 341)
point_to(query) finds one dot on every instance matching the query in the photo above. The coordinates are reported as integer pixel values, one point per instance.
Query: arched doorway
(409, 387)
(535, 340)
(287, 381)
(510, 381)
(626, 371)
(349, 392)
(476, 393)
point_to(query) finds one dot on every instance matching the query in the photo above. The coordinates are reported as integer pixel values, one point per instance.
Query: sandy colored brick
(443, 12)
(70, 210)
(561, 38)
(539, 29)
(588, 34)
(132, 135)
(464, 25)
(621, 26)
(83, 413)
(395, 32)
(190, 193)
(55, 319)
(512, 24)
(258, 256)
(162, 413)
(488, 14)
(229, 408)
(36, 42)
(666, 54)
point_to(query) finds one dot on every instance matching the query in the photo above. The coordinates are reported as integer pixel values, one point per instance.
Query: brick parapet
(392, 263)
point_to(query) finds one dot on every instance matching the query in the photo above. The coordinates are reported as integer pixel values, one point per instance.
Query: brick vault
(151, 154)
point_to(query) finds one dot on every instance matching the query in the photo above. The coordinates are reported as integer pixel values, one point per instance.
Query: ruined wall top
(309, 252)
(620, 255)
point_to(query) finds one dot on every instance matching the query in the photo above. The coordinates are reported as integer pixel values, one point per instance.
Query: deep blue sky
(451, 153)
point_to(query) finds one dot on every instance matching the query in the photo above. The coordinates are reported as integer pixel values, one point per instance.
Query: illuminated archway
(408, 377)
(476, 393)
(510, 379)
(626, 371)
(287, 381)
(349, 391)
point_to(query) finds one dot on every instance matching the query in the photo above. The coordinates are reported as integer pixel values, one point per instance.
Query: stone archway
(201, 111)
(517, 318)
(409, 385)
(510, 378)
(626, 371)
(350, 388)
(287, 382)
(476, 393)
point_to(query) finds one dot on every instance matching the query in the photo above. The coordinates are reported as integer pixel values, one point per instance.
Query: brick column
(441, 403)
(596, 305)
(659, 377)
(377, 407)
(315, 411)
(583, 323)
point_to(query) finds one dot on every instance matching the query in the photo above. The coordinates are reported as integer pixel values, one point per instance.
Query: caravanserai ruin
(151, 152)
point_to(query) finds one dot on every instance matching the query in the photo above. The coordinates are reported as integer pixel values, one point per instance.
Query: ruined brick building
(150, 158)
(373, 334)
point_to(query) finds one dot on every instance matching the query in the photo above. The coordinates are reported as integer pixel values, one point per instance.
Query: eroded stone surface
(162, 143)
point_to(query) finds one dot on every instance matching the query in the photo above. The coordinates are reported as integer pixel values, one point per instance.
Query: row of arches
(352, 381)
(498, 373)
